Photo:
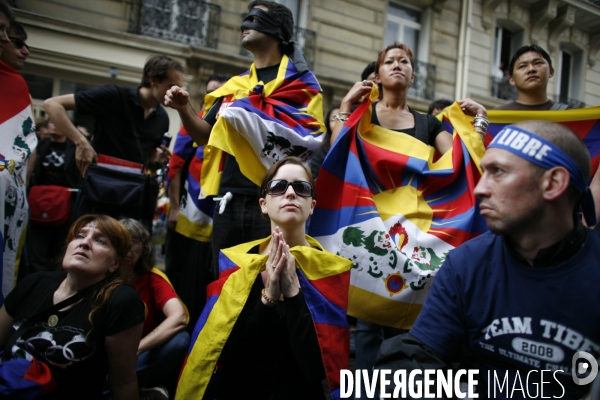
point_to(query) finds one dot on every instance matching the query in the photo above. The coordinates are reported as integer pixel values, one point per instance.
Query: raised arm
(357, 91)
(56, 108)
(197, 128)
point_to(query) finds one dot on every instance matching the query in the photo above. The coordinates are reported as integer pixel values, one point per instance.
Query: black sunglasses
(18, 43)
(278, 187)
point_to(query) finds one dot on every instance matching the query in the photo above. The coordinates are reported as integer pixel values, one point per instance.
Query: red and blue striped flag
(394, 207)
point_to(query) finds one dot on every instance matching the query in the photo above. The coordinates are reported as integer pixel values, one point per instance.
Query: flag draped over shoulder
(324, 279)
(260, 123)
(584, 122)
(391, 206)
(195, 215)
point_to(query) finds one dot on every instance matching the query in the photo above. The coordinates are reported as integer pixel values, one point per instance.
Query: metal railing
(502, 89)
(572, 103)
(305, 38)
(424, 84)
(191, 22)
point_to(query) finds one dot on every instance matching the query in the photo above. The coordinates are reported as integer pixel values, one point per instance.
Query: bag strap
(127, 105)
(43, 315)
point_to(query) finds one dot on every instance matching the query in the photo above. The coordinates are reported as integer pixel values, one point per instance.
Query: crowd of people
(249, 306)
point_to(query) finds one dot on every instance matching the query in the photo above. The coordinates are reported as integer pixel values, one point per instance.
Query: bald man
(521, 298)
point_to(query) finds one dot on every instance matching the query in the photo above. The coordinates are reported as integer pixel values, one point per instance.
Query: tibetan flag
(261, 123)
(584, 122)
(394, 207)
(324, 279)
(195, 215)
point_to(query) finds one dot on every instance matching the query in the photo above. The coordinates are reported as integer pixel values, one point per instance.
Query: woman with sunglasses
(278, 343)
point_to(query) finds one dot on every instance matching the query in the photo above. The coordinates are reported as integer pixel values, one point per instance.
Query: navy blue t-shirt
(113, 134)
(513, 317)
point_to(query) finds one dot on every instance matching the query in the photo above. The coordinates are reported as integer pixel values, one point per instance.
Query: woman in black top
(394, 72)
(96, 336)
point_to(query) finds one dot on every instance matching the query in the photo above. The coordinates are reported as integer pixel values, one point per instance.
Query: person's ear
(511, 80)
(153, 81)
(377, 79)
(312, 206)
(551, 72)
(555, 183)
(263, 205)
(114, 266)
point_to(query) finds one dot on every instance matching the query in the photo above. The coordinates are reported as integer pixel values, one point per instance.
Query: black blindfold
(264, 23)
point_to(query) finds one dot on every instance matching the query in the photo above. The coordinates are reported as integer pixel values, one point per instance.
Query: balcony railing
(191, 22)
(305, 38)
(502, 89)
(424, 84)
(572, 103)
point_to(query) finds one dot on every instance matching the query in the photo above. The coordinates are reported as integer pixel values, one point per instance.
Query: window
(403, 25)
(506, 43)
(184, 21)
(570, 77)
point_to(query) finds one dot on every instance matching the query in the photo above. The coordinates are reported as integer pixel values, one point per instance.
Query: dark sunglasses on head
(18, 43)
(278, 187)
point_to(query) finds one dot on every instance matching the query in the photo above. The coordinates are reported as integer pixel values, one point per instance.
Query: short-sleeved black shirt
(113, 135)
(78, 362)
(232, 178)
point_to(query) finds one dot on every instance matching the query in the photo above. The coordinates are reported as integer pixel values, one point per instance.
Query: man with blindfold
(278, 83)
(521, 298)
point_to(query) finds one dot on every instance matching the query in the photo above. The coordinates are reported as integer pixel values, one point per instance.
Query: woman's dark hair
(139, 233)
(273, 171)
(279, 13)
(526, 49)
(395, 45)
(120, 240)
(158, 67)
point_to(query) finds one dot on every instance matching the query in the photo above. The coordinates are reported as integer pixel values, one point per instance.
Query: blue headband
(545, 154)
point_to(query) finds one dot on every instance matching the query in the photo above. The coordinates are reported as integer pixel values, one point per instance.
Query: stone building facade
(459, 44)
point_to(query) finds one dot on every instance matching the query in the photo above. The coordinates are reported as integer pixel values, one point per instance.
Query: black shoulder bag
(117, 193)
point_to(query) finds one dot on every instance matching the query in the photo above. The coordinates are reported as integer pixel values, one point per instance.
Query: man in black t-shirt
(266, 31)
(113, 135)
